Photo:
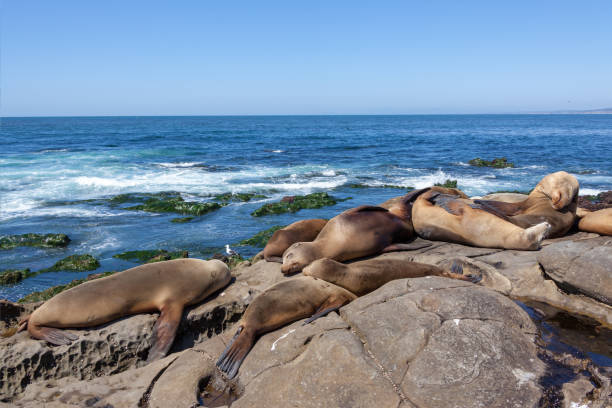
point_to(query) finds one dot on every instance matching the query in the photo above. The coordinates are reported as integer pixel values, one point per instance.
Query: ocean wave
(590, 191)
(180, 164)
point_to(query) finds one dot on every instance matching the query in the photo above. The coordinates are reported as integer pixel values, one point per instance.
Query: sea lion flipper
(456, 272)
(52, 335)
(413, 246)
(499, 208)
(234, 354)
(164, 332)
(330, 305)
(277, 259)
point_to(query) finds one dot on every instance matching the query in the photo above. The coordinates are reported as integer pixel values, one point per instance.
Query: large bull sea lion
(281, 304)
(300, 231)
(166, 286)
(355, 233)
(363, 277)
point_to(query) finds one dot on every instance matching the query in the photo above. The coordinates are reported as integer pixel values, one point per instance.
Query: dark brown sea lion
(599, 221)
(300, 231)
(402, 205)
(363, 277)
(281, 304)
(355, 233)
(166, 286)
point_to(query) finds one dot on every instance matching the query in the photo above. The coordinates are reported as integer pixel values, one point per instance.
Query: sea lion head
(560, 187)
(323, 268)
(297, 256)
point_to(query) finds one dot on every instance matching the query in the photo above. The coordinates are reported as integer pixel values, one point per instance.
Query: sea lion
(300, 231)
(166, 286)
(599, 221)
(355, 233)
(281, 304)
(363, 277)
(445, 217)
(402, 205)
(554, 200)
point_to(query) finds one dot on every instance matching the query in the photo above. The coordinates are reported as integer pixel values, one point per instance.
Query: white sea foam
(180, 164)
(589, 191)
(328, 173)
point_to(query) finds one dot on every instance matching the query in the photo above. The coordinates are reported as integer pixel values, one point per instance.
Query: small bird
(229, 251)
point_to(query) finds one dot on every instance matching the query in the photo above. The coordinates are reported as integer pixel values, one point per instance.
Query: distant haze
(75, 58)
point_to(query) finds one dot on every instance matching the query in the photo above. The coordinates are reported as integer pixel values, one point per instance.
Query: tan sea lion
(300, 231)
(281, 304)
(554, 200)
(599, 221)
(355, 233)
(402, 205)
(449, 218)
(166, 286)
(363, 277)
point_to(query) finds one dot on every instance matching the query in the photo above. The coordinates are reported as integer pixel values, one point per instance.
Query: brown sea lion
(599, 221)
(300, 231)
(363, 277)
(166, 286)
(281, 304)
(449, 218)
(554, 200)
(355, 233)
(402, 205)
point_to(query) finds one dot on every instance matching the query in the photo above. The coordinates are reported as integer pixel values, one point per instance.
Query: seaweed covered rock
(499, 163)
(241, 197)
(163, 202)
(34, 240)
(181, 220)
(151, 255)
(76, 263)
(296, 203)
(47, 294)
(260, 239)
(12, 276)
(447, 184)
(360, 185)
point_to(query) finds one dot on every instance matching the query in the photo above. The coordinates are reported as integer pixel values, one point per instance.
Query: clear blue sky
(310, 57)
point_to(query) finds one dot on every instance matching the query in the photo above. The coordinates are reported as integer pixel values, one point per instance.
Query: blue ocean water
(45, 162)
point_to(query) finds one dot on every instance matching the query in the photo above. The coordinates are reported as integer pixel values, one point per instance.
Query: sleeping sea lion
(599, 221)
(402, 205)
(281, 304)
(355, 233)
(554, 200)
(166, 286)
(363, 277)
(445, 217)
(300, 231)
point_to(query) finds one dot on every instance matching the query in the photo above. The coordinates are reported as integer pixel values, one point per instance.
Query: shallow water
(46, 162)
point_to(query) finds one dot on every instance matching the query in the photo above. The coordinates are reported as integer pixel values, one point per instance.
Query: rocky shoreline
(425, 342)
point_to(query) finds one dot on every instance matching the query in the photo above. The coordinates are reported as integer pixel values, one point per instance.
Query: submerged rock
(296, 203)
(12, 276)
(181, 220)
(76, 263)
(447, 184)
(151, 255)
(35, 240)
(499, 163)
(243, 197)
(260, 239)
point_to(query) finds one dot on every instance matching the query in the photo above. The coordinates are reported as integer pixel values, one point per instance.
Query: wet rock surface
(426, 342)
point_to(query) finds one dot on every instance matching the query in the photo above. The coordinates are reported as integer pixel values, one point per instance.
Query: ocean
(50, 165)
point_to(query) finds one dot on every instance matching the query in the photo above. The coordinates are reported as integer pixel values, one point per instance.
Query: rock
(11, 313)
(499, 163)
(296, 203)
(242, 197)
(598, 202)
(447, 184)
(76, 263)
(35, 240)
(124, 344)
(12, 276)
(151, 255)
(583, 266)
(260, 239)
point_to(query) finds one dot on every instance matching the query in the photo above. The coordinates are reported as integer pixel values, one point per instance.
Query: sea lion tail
(235, 352)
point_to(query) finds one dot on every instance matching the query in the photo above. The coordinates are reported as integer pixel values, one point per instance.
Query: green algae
(12, 276)
(447, 184)
(34, 240)
(151, 255)
(175, 205)
(74, 263)
(498, 163)
(181, 220)
(260, 239)
(142, 197)
(296, 203)
(241, 197)
(49, 293)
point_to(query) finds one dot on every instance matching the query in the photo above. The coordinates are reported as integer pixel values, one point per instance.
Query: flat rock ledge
(426, 342)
